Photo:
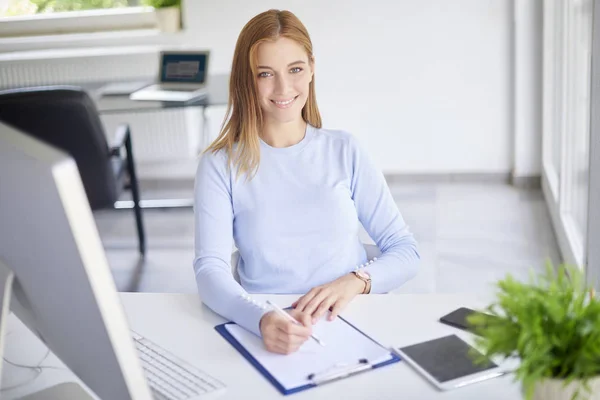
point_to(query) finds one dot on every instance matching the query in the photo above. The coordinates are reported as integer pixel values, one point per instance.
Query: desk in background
(181, 324)
(217, 88)
(217, 95)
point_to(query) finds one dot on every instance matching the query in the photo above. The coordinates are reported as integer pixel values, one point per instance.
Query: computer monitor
(183, 67)
(63, 290)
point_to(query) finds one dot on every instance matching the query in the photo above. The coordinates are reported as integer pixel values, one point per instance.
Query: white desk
(181, 324)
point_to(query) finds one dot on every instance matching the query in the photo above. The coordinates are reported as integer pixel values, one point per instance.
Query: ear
(312, 67)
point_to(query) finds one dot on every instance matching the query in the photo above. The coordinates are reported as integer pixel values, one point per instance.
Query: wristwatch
(366, 278)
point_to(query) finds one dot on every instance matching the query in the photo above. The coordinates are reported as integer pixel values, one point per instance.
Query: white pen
(282, 312)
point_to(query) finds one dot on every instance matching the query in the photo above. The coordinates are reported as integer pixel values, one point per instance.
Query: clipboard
(316, 378)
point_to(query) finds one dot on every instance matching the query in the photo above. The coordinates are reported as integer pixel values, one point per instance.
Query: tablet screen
(446, 358)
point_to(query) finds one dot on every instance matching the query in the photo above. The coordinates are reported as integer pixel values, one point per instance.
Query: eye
(295, 70)
(264, 74)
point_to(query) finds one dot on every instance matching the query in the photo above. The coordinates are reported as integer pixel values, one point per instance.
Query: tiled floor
(470, 235)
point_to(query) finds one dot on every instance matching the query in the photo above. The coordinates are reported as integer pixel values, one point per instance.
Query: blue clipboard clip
(344, 370)
(340, 371)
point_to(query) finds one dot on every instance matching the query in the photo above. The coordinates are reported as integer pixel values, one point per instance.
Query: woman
(291, 194)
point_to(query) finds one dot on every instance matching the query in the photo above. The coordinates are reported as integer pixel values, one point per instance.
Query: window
(27, 18)
(567, 107)
(12, 8)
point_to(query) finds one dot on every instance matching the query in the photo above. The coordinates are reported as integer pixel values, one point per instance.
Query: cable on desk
(39, 368)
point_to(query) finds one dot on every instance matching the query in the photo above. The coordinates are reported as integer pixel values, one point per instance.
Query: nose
(282, 84)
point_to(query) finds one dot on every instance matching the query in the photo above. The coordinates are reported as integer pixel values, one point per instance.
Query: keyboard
(171, 378)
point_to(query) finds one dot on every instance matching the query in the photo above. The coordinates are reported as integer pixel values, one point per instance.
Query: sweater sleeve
(379, 215)
(213, 218)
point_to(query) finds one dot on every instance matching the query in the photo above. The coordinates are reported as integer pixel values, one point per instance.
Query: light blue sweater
(295, 224)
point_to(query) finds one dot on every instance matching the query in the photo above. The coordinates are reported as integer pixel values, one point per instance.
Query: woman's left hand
(336, 294)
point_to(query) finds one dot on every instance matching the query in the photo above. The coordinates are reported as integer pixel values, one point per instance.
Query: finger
(323, 308)
(299, 325)
(291, 340)
(294, 304)
(290, 348)
(277, 347)
(283, 346)
(312, 306)
(290, 328)
(302, 317)
(288, 334)
(304, 300)
(338, 307)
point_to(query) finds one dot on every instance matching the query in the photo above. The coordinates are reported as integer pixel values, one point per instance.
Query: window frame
(78, 22)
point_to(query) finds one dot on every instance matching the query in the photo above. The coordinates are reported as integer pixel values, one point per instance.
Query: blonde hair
(243, 118)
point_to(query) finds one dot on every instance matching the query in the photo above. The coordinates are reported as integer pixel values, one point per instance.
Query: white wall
(424, 84)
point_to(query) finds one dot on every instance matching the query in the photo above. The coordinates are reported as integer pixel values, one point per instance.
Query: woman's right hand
(283, 336)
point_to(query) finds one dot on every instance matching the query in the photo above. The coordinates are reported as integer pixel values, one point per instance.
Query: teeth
(283, 102)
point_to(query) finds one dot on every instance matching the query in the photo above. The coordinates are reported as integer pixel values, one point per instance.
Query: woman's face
(283, 76)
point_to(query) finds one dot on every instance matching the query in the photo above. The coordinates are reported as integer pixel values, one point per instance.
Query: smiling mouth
(284, 103)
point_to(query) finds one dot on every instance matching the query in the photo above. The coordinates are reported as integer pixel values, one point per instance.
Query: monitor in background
(63, 290)
(182, 76)
(178, 67)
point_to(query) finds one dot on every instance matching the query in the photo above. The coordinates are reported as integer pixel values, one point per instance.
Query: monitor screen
(183, 68)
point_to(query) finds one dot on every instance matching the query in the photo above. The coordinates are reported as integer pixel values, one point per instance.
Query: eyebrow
(289, 65)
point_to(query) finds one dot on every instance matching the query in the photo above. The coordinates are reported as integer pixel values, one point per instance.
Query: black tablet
(447, 363)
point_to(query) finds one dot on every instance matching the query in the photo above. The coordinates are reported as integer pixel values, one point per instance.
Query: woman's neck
(286, 134)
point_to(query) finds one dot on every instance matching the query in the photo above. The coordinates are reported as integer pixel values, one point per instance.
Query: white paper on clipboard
(344, 347)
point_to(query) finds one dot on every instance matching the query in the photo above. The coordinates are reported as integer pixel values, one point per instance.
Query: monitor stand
(66, 390)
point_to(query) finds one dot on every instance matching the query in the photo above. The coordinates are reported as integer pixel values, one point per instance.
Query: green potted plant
(168, 14)
(552, 324)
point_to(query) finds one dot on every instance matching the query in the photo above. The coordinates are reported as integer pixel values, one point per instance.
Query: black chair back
(66, 117)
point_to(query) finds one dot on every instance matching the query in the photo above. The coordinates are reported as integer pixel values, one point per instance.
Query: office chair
(66, 117)
(371, 249)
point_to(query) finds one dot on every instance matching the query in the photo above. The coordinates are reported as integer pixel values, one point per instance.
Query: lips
(284, 103)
